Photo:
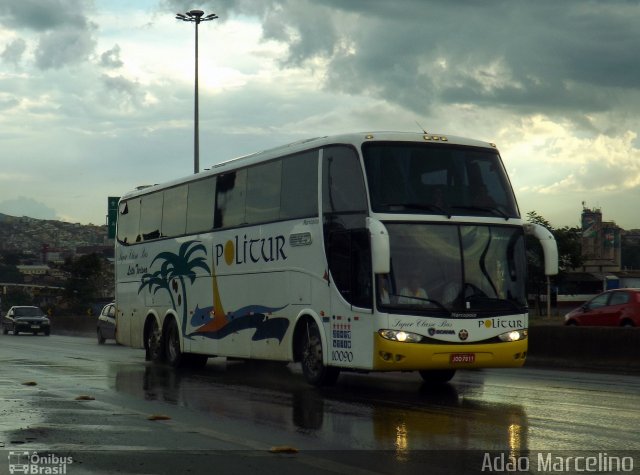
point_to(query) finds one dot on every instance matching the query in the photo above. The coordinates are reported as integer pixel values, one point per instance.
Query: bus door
(349, 329)
(348, 252)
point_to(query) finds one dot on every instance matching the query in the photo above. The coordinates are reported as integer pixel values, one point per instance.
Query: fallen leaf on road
(283, 449)
(158, 417)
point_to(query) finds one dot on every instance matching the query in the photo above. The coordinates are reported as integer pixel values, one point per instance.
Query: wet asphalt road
(70, 397)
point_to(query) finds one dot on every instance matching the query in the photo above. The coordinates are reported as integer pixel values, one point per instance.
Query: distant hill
(28, 235)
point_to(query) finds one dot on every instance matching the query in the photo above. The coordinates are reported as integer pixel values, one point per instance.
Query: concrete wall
(601, 348)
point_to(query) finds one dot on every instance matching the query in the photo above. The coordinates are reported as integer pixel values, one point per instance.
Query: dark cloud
(62, 47)
(575, 56)
(43, 15)
(13, 51)
(121, 93)
(66, 36)
(111, 58)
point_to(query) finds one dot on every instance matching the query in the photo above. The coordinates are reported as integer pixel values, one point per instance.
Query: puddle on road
(359, 412)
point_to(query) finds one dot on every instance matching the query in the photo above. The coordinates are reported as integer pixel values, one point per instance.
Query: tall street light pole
(196, 16)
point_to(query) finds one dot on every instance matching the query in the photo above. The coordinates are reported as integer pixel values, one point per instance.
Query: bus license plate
(456, 358)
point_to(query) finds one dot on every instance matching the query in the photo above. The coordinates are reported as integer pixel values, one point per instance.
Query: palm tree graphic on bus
(211, 322)
(174, 272)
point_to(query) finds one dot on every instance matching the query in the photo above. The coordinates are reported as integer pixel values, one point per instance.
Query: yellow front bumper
(398, 356)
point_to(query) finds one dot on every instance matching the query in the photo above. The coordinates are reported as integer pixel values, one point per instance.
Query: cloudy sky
(96, 97)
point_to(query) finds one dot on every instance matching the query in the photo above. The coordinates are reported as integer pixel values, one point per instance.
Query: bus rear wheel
(175, 357)
(314, 370)
(172, 344)
(153, 343)
(437, 376)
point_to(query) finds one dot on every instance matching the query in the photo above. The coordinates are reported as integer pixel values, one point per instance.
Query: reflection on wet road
(358, 413)
(253, 406)
(486, 410)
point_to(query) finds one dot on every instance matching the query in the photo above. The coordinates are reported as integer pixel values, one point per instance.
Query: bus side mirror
(549, 247)
(380, 249)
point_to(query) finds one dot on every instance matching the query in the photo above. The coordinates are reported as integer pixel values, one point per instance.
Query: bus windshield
(454, 270)
(409, 177)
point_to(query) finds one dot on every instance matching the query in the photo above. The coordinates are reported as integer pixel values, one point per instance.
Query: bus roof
(356, 139)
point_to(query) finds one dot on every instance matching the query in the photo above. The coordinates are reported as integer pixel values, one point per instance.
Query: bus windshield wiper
(410, 297)
(492, 300)
(490, 209)
(420, 206)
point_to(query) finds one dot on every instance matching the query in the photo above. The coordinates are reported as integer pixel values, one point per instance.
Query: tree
(569, 242)
(8, 268)
(85, 281)
(10, 274)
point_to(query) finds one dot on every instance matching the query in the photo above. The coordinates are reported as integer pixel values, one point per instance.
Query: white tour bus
(369, 252)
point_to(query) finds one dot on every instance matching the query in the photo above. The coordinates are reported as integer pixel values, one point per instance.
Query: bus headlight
(514, 335)
(400, 335)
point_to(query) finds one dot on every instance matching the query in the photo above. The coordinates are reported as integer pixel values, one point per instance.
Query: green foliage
(535, 218)
(569, 242)
(10, 274)
(83, 285)
(12, 258)
(16, 296)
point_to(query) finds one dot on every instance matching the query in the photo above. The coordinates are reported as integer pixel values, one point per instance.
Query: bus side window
(174, 211)
(299, 197)
(263, 192)
(201, 199)
(129, 221)
(231, 194)
(344, 203)
(151, 216)
(343, 182)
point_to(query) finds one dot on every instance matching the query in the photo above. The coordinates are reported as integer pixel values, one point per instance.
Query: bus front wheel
(314, 370)
(437, 376)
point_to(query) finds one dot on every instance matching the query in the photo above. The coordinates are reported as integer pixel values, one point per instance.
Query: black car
(107, 323)
(26, 319)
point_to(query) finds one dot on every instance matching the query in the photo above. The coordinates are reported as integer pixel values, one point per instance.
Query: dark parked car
(620, 307)
(107, 323)
(26, 319)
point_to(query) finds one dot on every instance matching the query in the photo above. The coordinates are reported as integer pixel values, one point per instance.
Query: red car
(613, 308)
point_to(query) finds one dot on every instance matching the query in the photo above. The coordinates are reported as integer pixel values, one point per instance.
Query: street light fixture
(196, 16)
